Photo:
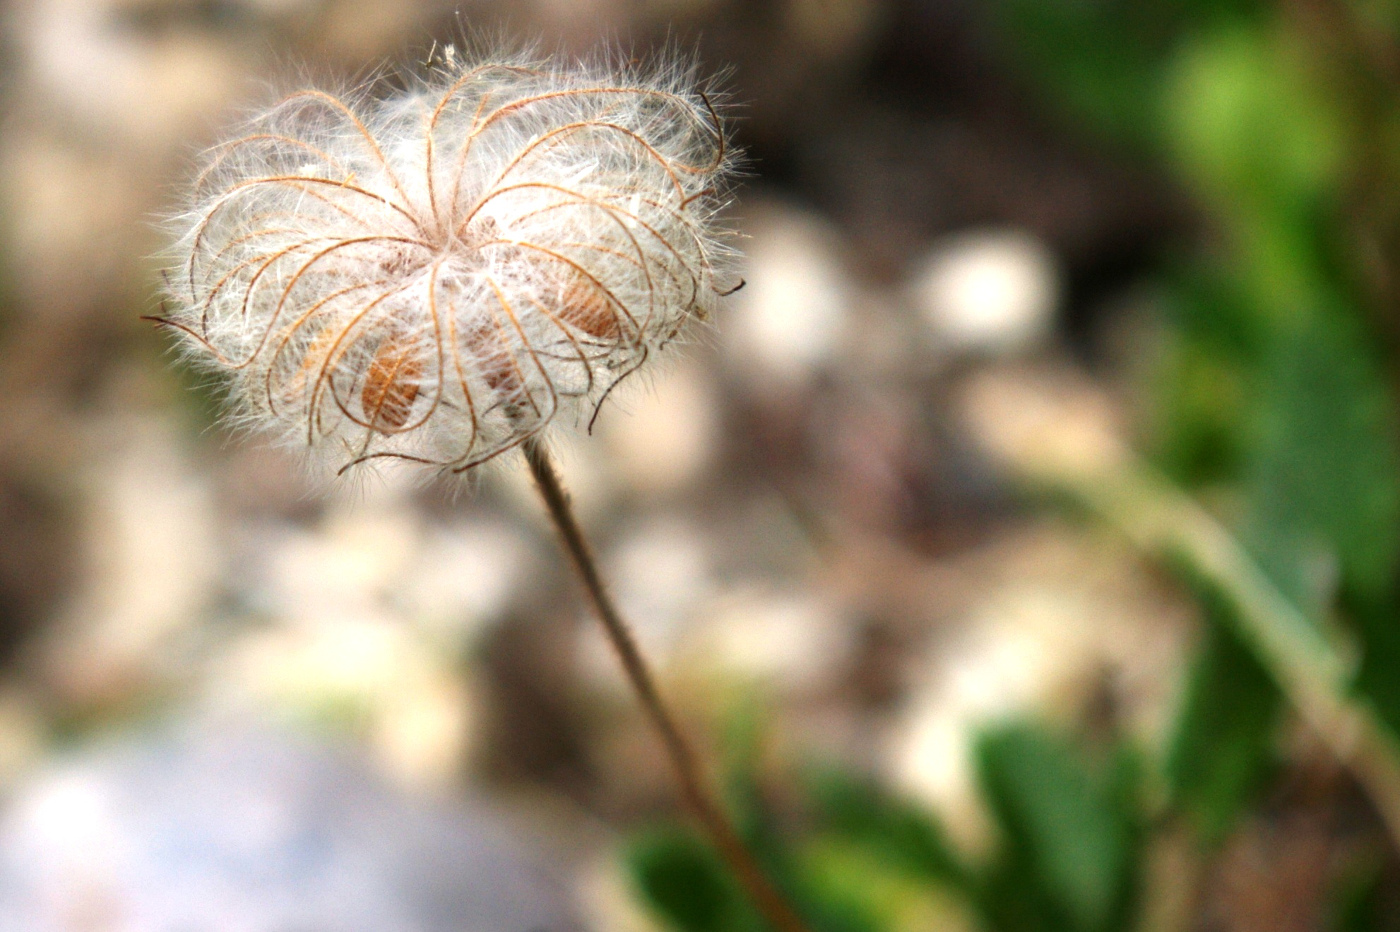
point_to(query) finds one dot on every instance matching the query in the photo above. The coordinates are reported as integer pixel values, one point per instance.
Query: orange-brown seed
(586, 307)
(391, 386)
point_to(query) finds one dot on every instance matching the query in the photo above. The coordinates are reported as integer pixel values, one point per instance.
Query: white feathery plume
(440, 274)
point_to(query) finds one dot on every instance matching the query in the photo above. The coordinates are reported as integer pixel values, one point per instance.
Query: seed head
(439, 274)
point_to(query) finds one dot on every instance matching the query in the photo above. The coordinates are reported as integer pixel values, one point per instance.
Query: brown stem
(693, 787)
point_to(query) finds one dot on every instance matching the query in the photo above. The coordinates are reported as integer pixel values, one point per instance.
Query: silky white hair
(439, 274)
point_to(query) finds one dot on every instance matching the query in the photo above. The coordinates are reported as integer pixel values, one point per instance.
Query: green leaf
(1199, 407)
(1247, 123)
(1225, 730)
(1069, 861)
(685, 883)
(857, 891)
(1265, 144)
(1099, 60)
(903, 836)
(1201, 380)
(1324, 472)
(1378, 675)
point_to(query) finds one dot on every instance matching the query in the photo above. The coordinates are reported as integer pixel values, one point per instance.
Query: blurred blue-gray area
(257, 831)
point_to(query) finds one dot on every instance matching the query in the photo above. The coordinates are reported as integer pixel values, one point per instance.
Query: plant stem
(1308, 665)
(697, 795)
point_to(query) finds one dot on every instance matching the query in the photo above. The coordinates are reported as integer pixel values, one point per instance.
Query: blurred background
(1022, 543)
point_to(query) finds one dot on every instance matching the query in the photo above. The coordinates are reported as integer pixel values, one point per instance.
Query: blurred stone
(791, 317)
(1047, 423)
(988, 291)
(662, 436)
(611, 901)
(282, 9)
(887, 347)
(866, 439)
(670, 10)
(466, 577)
(378, 555)
(105, 103)
(793, 639)
(353, 32)
(832, 30)
(579, 21)
(36, 554)
(23, 734)
(661, 570)
(152, 554)
(352, 561)
(256, 832)
(364, 616)
(72, 228)
(364, 674)
(1054, 617)
(82, 158)
(262, 481)
(156, 82)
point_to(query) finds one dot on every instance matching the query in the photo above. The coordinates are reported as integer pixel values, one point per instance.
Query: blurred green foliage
(1224, 734)
(1069, 855)
(1275, 393)
(1276, 390)
(1068, 859)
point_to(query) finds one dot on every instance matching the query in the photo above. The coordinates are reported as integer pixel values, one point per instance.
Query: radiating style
(440, 274)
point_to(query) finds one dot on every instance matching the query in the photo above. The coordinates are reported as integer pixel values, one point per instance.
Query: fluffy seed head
(439, 274)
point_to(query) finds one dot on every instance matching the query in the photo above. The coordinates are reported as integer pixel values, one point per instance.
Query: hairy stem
(698, 796)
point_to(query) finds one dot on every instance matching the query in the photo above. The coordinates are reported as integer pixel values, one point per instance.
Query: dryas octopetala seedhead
(439, 274)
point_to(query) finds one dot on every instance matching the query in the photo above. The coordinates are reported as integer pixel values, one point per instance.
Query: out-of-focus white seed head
(439, 274)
